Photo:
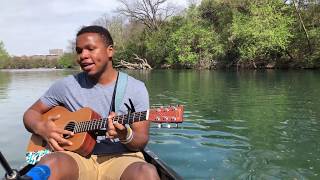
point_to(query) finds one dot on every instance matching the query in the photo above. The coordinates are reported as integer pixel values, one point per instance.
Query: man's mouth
(87, 66)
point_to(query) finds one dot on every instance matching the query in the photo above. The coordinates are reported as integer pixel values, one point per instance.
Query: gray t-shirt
(77, 91)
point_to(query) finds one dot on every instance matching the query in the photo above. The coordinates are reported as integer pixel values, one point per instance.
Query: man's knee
(61, 165)
(146, 171)
(56, 159)
(147, 168)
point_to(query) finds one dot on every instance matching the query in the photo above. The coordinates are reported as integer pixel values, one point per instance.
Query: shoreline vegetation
(211, 34)
(31, 70)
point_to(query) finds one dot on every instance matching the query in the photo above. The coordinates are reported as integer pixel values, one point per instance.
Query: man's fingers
(54, 118)
(65, 132)
(63, 141)
(54, 145)
(110, 120)
(112, 114)
(110, 125)
(119, 126)
(112, 133)
(59, 138)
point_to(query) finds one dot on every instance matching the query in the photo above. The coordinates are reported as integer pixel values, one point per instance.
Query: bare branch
(140, 64)
(151, 13)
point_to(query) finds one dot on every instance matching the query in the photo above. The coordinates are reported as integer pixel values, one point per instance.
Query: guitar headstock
(170, 114)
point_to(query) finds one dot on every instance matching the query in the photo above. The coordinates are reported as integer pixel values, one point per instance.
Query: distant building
(54, 54)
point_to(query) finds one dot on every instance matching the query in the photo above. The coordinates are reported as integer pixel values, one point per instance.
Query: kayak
(165, 172)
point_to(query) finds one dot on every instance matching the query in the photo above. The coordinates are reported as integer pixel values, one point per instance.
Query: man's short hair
(103, 32)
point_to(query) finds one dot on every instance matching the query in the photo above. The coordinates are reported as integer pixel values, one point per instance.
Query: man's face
(93, 55)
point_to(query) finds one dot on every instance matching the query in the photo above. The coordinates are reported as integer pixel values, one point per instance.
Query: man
(94, 88)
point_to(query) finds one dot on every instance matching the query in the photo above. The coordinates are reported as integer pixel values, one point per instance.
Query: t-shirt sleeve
(54, 96)
(141, 99)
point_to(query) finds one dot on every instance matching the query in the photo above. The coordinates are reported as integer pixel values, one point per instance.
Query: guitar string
(121, 118)
(96, 124)
(83, 126)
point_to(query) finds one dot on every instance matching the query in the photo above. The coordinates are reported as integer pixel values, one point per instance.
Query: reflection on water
(238, 125)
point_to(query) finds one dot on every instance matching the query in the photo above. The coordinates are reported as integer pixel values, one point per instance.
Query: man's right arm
(46, 129)
(32, 117)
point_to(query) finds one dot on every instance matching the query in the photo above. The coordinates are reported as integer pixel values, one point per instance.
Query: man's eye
(78, 50)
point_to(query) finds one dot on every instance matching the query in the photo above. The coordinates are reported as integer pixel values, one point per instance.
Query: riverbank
(31, 70)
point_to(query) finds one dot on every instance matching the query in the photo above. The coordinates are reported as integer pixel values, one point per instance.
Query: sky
(32, 27)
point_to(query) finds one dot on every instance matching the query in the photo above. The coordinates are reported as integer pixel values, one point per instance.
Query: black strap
(111, 109)
(112, 105)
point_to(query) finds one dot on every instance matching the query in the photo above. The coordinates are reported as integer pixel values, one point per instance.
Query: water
(238, 125)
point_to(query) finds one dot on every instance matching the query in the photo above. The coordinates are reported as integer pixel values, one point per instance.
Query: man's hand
(53, 134)
(115, 129)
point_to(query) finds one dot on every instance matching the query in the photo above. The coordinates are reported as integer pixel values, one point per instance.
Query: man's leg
(140, 170)
(62, 166)
(126, 166)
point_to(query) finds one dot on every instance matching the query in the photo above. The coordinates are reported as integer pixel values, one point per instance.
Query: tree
(4, 56)
(196, 43)
(127, 36)
(306, 31)
(67, 60)
(262, 33)
(151, 13)
(117, 27)
(302, 24)
(158, 44)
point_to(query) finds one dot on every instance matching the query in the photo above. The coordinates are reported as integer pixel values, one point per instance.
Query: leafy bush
(67, 60)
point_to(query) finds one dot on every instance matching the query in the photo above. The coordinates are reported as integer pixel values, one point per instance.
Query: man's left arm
(140, 136)
(139, 130)
(139, 133)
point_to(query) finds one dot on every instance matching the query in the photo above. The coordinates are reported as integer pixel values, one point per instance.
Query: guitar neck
(96, 124)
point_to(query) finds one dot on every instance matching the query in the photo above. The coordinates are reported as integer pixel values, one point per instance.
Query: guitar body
(82, 143)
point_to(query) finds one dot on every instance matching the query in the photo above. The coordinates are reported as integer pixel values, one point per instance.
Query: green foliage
(4, 56)
(67, 60)
(28, 63)
(218, 14)
(133, 42)
(195, 43)
(303, 54)
(262, 32)
(158, 47)
(313, 58)
(214, 33)
(227, 32)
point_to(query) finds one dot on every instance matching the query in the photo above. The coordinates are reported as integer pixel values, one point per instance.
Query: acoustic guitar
(85, 122)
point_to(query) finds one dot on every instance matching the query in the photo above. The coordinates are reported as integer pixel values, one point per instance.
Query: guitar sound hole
(69, 127)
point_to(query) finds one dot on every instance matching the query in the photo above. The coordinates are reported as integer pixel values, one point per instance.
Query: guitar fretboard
(96, 124)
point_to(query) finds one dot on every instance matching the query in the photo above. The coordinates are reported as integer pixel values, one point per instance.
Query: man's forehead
(89, 37)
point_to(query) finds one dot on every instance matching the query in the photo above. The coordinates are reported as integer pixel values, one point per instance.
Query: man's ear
(110, 51)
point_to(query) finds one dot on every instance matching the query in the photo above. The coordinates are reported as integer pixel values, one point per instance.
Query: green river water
(238, 124)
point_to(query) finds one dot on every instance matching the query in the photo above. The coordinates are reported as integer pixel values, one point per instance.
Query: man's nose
(84, 54)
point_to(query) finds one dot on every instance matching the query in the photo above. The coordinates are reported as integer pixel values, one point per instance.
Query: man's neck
(108, 77)
(105, 78)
